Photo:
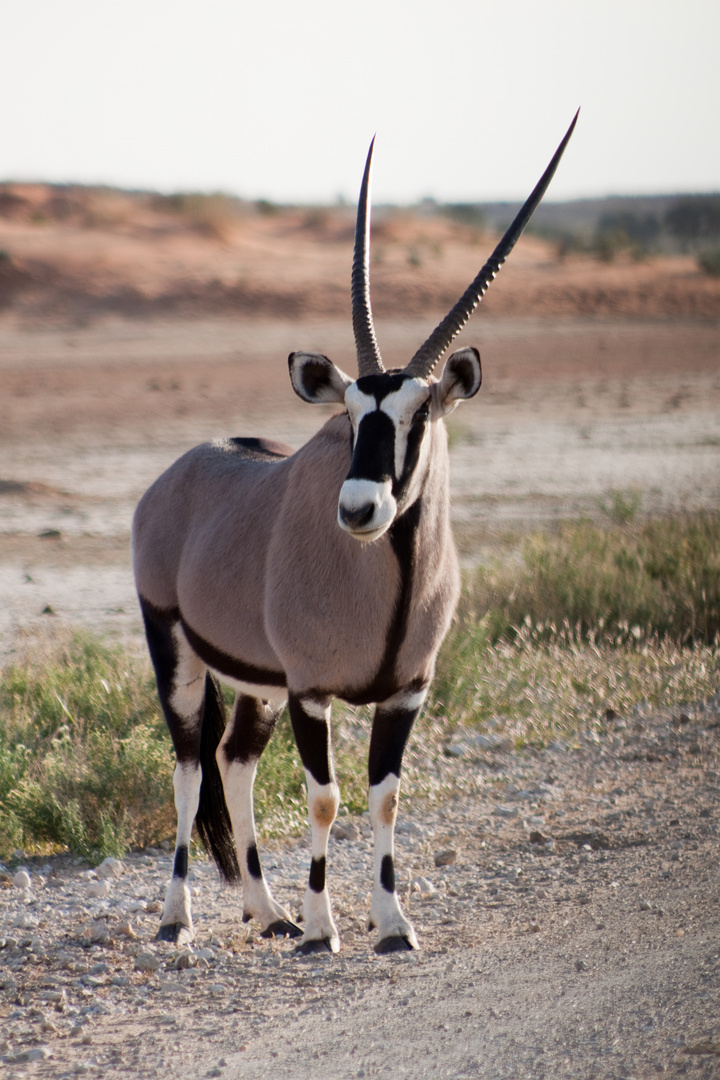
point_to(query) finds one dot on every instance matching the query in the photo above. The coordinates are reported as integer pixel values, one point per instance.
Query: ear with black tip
(316, 379)
(461, 378)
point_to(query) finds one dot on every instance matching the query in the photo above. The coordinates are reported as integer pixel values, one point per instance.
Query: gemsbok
(302, 576)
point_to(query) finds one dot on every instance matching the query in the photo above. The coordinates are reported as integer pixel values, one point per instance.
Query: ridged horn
(368, 353)
(428, 354)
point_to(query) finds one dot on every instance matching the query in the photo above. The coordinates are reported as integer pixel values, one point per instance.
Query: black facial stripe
(412, 453)
(387, 874)
(374, 453)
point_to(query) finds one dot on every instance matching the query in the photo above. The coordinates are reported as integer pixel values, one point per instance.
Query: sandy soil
(570, 410)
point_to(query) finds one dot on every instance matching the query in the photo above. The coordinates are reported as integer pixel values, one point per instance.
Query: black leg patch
(390, 733)
(387, 874)
(180, 867)
(253, 862)
(317, 875)
(252, 726)
(311, 737)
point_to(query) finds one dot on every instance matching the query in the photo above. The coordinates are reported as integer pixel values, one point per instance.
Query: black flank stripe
(229, 665)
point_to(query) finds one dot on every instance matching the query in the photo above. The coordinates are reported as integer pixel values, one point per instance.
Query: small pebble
(99, 934)
(21, 880)
(446, 857)
(186, 959)
(109, 868)
(35, 1053)
(98, 890)
(147, 962)
(424, 887)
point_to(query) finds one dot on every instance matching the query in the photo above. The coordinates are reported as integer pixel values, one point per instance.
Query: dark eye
(422, 413)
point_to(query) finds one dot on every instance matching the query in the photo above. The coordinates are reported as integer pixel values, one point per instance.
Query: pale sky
(280, 98)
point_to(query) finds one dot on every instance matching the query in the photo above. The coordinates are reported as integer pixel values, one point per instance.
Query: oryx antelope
(303, 576)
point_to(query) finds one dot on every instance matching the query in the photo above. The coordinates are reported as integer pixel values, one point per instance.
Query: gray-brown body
(247, 549)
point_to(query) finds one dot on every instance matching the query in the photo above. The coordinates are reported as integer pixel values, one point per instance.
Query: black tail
(213, 819)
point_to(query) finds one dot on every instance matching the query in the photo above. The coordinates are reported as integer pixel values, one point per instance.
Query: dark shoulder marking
(260, 449)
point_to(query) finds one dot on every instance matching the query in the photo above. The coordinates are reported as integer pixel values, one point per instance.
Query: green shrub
(709, 262)
(85, 759)
(541, 686)
(657, 577)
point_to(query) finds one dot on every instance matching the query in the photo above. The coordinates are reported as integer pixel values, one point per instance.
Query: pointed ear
(316, 379)
(461, 378)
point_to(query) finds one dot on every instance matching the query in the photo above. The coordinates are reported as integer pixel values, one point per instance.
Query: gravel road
(571, 929)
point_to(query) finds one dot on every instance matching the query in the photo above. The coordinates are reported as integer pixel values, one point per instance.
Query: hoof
(314, 945)
(281, 928)
(175, 932)
(394, 943)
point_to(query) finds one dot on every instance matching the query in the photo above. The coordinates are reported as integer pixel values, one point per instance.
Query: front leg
(310, 717)
(392, 724)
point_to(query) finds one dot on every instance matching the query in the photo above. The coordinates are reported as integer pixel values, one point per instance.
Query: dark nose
(357, 518)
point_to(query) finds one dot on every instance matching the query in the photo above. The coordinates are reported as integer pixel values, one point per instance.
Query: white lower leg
(385, 911)
(258, 902)
(177, 909)
(323, 802)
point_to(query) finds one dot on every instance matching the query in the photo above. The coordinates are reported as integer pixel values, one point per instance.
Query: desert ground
(128, 336)
(571, 410)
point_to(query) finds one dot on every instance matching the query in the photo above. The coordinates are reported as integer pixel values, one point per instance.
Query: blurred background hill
(73, 251)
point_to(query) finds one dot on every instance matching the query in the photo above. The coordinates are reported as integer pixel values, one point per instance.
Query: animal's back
(203, 529)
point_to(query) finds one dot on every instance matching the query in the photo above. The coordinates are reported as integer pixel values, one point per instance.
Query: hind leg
(246, 736)
(181, 686)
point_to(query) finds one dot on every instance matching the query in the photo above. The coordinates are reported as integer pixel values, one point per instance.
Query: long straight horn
(368, 353)
(428, 354)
